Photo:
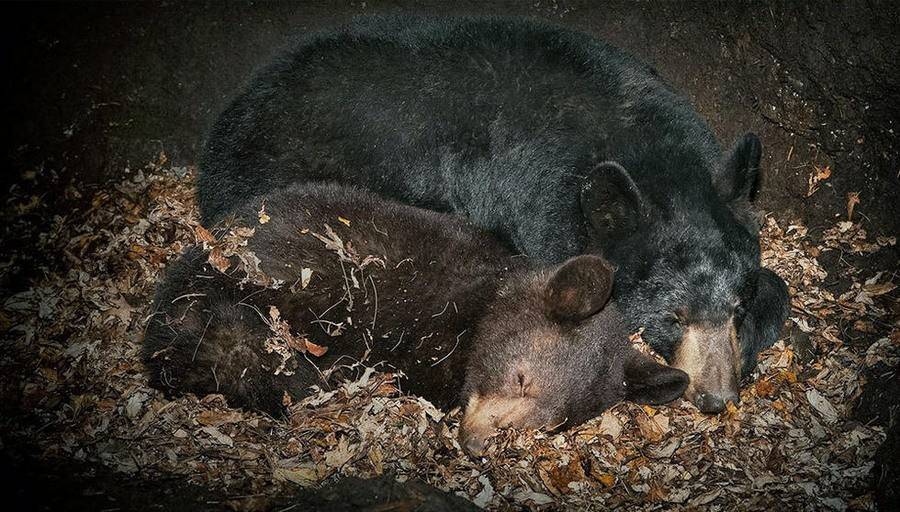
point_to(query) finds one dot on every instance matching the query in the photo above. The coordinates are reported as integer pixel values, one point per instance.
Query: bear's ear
(611, 201)
(578, 288)
(648, 382)
(737, 178)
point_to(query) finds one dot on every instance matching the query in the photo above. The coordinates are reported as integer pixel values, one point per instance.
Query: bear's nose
(714, 403)
(474, 446)
(709, 403)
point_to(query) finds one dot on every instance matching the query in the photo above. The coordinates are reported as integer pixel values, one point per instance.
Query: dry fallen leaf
(610, 425)
(203, 235)
(121, 310)
(340, 454)
(215, 418)
(852, 201)
(217, 435)
(764, 387)
(876, 289)
(305, 276)
(821, 404)
(565, 474)
(607, 480)
(284, 342)
(218, 260)
(819, 174)
(300, 475)
(483, 498)
(772, 458)
(316, 350)
(653, 428)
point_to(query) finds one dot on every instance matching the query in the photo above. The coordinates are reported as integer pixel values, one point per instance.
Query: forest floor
(99, 90)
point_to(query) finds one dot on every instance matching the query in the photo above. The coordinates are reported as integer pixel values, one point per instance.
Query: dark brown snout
(710, 354)
(714, 403)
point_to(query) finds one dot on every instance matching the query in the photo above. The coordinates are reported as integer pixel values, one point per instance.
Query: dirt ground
(94, 89)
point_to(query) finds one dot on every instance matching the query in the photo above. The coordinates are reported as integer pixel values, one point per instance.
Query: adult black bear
(429, 293)
(505, 120)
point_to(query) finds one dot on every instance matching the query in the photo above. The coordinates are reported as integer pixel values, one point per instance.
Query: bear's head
(552, 351)
(688, 254)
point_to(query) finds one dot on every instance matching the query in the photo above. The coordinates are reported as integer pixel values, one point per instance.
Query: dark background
(90, 88)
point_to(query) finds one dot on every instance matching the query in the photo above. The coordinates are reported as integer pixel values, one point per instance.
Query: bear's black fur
(504, 120)
(429, 293)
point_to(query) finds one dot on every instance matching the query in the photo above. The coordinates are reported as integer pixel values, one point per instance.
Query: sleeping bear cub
(324, 268)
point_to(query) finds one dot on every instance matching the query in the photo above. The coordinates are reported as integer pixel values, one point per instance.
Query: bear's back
(436, 111)
(351, 272)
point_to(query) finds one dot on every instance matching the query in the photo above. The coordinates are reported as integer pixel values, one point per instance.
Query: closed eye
(523, 385)
(674, 319)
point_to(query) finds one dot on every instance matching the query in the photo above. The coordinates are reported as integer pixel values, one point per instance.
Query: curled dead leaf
(653, 428)
(822, 405)
(818, 175)
(305, 276)
(852, 201)
(316, 350)
(203, 235)
(607, 480)
(218, 260)
(764, 387)
(213, 417)
(302, 476)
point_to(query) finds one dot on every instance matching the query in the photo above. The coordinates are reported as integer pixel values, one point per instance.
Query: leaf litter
(74, 385)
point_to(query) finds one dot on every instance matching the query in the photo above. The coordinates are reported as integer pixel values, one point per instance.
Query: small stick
(326, 322)
(257, 292)
(375, 314)
(215, 378)
(349, 292)
(398, 341)
(376, 228)
(201, 338)
(187, 295)
(458, 336)
(447, 305)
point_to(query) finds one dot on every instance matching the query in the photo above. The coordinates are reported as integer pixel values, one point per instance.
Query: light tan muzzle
(710, 354)
(484, 415)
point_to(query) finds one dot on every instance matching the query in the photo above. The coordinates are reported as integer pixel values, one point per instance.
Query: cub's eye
(739, 311)
(674, 319)
(523, 384)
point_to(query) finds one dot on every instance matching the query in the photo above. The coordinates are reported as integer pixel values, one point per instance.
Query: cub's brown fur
(467, 322)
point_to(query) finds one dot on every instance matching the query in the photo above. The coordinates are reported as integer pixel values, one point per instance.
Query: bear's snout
(710, 354)
(714, 403)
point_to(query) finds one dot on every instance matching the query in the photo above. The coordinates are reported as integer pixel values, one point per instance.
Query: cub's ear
(737, 178)
(611, 201)
(648, 382)
(578, 288)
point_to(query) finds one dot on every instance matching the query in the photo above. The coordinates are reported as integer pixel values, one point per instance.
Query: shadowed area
(91, 89)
